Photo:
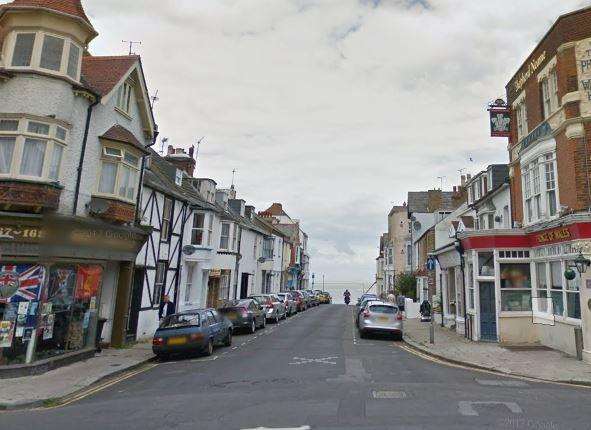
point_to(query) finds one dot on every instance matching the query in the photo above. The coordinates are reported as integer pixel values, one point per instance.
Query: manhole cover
(388, 394)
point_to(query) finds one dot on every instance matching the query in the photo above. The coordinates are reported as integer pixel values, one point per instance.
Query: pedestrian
(391, 297)
(166, 307)
(347, 296)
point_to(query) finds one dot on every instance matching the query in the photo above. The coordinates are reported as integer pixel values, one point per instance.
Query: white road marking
(388, 394)
(281, 428)
(323, 360)
(467, 408)
(500, 383)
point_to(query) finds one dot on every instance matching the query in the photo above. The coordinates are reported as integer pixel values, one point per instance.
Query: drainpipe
(138, 199)
(83, 153)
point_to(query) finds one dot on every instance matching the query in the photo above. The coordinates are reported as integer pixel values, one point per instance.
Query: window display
(515, 287)
(43, 316)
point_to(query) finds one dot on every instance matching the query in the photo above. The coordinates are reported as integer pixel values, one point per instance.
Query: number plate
(177, 341)
(231, 315)
(383, 319)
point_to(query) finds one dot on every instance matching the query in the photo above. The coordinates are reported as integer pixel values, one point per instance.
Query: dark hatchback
(246, 314)
(192, 331)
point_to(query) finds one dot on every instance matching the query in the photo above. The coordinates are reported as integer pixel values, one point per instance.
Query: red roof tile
(69, 7)
(101, 74)
(119, 133)
(275, 209)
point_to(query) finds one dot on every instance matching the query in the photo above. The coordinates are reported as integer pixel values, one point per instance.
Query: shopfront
(523, 289)
(52, 282)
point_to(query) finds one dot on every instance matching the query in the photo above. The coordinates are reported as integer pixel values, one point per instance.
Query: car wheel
(277, 319)
(228, 341)
(264, 322)
(162, 357)
(209, 348)
(362, 334)
(253, 326)
(398, 337)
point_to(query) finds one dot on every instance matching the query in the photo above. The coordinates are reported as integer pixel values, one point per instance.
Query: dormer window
(46, 52)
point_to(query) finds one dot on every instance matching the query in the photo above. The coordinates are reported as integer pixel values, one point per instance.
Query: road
(312, 371)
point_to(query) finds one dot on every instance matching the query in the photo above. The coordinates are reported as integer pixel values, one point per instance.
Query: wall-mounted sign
(500, 122)
(531, 68)
(540, 132)
(555, 235)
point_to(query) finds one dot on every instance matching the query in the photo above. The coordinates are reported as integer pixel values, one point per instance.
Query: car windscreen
(180, 320)
(383, 309)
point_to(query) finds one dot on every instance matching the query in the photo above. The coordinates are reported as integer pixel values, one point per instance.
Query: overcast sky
(336, 108)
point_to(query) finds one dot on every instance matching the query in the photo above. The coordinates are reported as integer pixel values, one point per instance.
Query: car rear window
(180, 320)
(383, 309)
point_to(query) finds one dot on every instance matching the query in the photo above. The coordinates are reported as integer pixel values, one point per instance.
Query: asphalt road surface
(312, 371)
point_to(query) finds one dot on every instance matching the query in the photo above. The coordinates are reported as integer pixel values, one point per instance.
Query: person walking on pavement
(166, 307)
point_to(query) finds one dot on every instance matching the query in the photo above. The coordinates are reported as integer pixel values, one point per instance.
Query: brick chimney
(181, 159)
(459, 196)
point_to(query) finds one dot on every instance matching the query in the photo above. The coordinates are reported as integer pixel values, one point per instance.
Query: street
(313, 371)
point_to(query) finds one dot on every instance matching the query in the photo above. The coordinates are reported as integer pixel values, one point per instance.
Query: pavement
(48, 387)
(538, 363)
(312, 371)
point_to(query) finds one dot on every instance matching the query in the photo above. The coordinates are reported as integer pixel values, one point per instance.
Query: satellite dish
(417, 225)
(189, 249)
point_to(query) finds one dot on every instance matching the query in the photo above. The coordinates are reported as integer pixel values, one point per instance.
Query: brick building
(521, 278)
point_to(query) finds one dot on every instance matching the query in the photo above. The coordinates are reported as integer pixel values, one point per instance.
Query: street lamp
(581, 263)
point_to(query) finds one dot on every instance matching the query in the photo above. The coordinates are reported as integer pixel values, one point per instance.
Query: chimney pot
(191, 151)
(170, 149)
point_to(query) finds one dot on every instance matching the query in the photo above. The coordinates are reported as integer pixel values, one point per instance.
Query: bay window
(31, 149)
(573, 305)
(559, 296)
(50, 53)
(119, 173)
(540, 200)
(541, 287)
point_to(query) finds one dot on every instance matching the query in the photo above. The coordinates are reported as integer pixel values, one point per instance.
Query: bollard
(432, 330)
(579, 342)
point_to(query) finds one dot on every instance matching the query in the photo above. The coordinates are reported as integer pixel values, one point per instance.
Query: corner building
(519, 280)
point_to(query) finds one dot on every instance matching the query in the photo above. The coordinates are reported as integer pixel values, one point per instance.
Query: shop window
(61, 314)
(486, 265)
(470, 285)
(515, 287)
(573, 304)
(541, 288)
(159, 280)
(556, 288)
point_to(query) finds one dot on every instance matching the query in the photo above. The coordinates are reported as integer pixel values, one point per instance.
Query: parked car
(273, 307)
(299, 299)
(362, 307)
(307, 298)
(289, 302)
(245, 314)
(313, 297)
(192, 331)
(380, 317)
(364, 296)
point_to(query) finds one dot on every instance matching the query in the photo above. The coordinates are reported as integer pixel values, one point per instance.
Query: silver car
(380, 317)
(289, 302)
(273, 306)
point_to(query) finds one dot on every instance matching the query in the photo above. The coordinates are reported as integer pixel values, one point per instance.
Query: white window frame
(268, 250)
(51, 139)
(35, 60)
(520, 108)
(536, 183)
(159, 282)
(165, 232)
(122, 162)
(202, 229)
(228, 237)
(123, 97)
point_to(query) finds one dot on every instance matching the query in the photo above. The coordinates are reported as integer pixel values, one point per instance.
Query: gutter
(83, 153)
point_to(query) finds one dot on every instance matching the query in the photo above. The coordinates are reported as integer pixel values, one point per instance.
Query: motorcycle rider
(347, 296)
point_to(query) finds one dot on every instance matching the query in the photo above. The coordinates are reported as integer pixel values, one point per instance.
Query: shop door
(213, 292)
(135, 303)
(488, 317)
(244, 286)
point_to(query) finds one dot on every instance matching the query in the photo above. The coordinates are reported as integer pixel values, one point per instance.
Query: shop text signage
(556, 235)
(540, 132)
(20, 233)
(531, 68)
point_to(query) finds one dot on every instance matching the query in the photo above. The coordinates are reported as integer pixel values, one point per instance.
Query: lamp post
(581, 264)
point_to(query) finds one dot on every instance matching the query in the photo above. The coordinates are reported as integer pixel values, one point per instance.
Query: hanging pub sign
(500, 119)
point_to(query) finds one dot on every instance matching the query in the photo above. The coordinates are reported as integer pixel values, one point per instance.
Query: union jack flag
(20, 283)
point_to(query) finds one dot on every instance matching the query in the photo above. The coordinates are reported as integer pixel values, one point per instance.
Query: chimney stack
(463, 180)
(181, 160)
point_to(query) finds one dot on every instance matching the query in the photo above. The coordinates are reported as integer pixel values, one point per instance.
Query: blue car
(192, 331)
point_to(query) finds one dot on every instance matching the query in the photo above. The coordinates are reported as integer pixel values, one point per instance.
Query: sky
(336, 108)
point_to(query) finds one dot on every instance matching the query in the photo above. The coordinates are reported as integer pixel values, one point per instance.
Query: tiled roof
(275, 209)
(101, 74)
(119, 133)
(418, 201)
(68, 7)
